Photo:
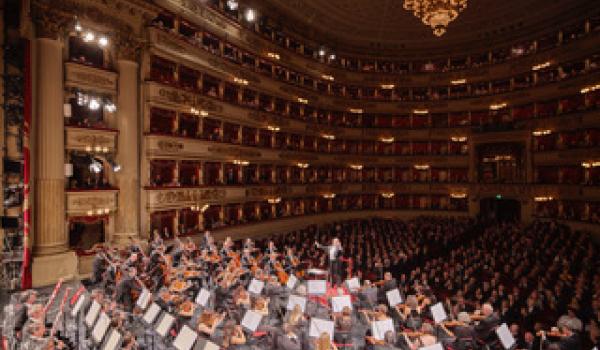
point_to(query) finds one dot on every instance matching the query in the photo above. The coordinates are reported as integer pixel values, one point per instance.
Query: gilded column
(51, 236)
(127, 221)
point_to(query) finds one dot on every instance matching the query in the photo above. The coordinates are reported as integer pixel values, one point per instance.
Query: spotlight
(322, 52)
(78, 27)
(110, 107)
(332, 56)
(116, 167)
(96, 166)
(89, 36)
(94, 104)
(81, 99)
(232, 4)
(250, 15)
(103, 41)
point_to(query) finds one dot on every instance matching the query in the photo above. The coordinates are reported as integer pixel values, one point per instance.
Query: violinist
(208, 322)
(98, 268)
(124, 289)
(569, 339)
(425, 337)
(464, 332)
(233, 336)
(388, 283)
(289, 340)
(485, 328)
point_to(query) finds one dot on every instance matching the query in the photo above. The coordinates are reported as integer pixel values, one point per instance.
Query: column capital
(50, 23)
(128, 47)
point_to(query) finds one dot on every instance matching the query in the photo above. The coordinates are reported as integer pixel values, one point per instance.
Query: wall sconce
(274, 200)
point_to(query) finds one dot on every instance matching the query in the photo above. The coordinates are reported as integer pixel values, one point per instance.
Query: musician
(27, 300)
(334, 253)
(249, 245)
(323, 342)
(486, 327)
(124, 289)
(271, 249)
(464, 333)
(389, 283)
(569, 340)
(98, 267)
(289, 340)
(233, 336)
(389, 342)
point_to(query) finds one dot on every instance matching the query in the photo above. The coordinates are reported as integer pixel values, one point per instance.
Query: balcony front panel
(173, 98)
(566, 157)
(91, 139)
(171, 147)
(90, 78)
(91, 202)
(252, 42)
(185, 197)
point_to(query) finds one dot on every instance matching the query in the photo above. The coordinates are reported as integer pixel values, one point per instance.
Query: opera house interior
(300, 174)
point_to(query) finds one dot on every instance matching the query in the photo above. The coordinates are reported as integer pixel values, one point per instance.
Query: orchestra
(175, 273)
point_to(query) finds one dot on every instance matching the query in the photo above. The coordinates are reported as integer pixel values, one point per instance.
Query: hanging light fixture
(436, 13)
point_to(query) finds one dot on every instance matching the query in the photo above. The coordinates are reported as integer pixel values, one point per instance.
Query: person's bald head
(487, 309)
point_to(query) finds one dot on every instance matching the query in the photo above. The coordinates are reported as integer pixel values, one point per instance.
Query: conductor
(334, 253)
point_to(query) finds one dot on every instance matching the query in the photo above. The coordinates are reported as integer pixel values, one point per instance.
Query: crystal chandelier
(436, 13)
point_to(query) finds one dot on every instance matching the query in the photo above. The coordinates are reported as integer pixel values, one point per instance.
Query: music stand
(164, 324)
(205, 344)
(151, 314)
(92, 314)
(112, 341)
(99, 330)
(185, 339)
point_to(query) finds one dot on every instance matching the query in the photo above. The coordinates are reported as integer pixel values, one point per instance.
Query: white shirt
(332, 252)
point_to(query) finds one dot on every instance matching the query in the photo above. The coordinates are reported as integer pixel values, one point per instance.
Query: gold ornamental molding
(184, 197)
(90, 78)
(234, 152)
(95, 202)
(170, 146)
(268, 118)
(87, 139)
(267, 191)
(173, 96)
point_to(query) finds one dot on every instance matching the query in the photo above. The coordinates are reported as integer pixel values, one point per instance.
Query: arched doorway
(500, 208)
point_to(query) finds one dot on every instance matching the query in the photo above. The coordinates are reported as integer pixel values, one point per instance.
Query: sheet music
(294, 300)
(202, 297)
(100, 328)
(505, 336)
(291, 282)
(438, 312)
(318, 326)
(185, 339)
(393, 296)
(113, 341)
(353, 284)
(78, 305)
(151, 313)
(205, 344)
(165, 324)
(317, 287)
(251, 320)
(144, 299)
(437, 346)
(92, 314)
(256, 286)
(379, 328)
(338, 303)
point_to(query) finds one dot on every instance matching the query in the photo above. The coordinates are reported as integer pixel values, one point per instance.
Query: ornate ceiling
(382, 27)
